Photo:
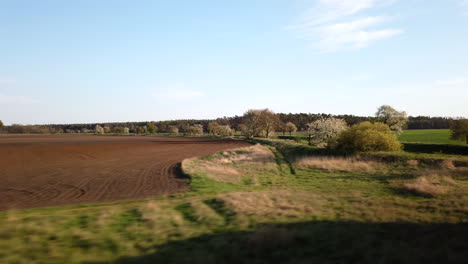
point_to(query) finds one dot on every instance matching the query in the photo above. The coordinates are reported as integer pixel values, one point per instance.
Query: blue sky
(96, 61)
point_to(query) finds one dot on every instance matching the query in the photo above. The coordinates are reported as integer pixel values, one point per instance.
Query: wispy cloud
(14, 99)
(335, 25)
(178, 91)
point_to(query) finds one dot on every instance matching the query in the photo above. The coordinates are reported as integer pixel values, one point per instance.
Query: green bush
(367, 137)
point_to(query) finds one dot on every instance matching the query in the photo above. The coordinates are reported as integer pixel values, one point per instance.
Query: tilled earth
(52, 170)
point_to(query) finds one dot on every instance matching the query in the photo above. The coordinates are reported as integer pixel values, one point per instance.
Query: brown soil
(51, 170)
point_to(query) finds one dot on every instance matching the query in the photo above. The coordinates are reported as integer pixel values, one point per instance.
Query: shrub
(367, 137)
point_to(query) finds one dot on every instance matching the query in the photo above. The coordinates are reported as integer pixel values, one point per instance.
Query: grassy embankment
(264, 204)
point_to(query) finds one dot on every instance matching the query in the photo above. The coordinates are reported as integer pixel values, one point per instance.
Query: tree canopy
(459, 129)
(394, 119)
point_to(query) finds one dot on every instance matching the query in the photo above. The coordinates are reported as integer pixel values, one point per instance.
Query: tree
(252, 122)
(99, 129)
(224, 131)
(118, 130)
(459, 129)
(322, 131)
(195, 130)
(213, 128)
(126, 130)
(151, 128)
(260, 122)
(141, 130)
(368, 136)
(1, 125)
(394, 119)
(290, 128)
(173, 129)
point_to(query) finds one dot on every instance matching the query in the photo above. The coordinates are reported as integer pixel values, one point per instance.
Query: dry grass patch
(286, 203)
(430, 185)
(232, 166)
(253, 154)
(412, 163)
(337, 164)
(447, 164)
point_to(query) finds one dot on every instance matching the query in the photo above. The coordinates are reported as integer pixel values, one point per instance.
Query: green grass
(276, 212)
(429, 136)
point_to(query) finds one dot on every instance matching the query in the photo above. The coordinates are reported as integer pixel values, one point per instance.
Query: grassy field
(430, 136)
(263, 204)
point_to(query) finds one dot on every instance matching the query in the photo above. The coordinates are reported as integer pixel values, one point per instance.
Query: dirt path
(50, 170)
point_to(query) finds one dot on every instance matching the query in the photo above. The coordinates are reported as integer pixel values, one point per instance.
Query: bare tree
(260, 122)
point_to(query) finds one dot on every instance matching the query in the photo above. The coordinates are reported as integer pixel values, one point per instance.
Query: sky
(142, 60)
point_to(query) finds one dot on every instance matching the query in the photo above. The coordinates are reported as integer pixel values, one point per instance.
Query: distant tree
(368, 136)
(213, 128)
(196, 130)
(126, 130)
(118, 130)
(173, 129)
(459, 129)
(281, 127)
(290, 128)
(394, 119)
(99, 129)
(152, 129)
(107, 129)
(269, 122)
(260, 122)
(224, 131)
(1, 125)
(322, 131)
(141, 130)
(241, 128)
(16, 129)
(253, 124)
(84, 130)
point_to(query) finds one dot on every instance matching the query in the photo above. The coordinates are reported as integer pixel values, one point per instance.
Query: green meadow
(431, 136)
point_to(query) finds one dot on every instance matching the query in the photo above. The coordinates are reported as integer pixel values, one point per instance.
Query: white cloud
(178, 91)
(13, 99)
(332, 25)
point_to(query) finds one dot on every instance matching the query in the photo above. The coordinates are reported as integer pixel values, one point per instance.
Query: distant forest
(300, 120)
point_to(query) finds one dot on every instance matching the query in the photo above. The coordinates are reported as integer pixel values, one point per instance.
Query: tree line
(299, 120)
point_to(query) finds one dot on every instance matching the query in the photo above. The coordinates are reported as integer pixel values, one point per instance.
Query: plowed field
(51, 170)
